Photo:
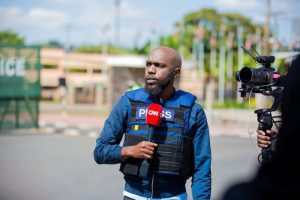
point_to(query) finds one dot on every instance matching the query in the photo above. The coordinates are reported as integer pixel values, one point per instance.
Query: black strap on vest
(160, 128)
(173, 159)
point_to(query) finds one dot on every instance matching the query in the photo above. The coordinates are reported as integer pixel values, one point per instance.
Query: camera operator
(279, 178)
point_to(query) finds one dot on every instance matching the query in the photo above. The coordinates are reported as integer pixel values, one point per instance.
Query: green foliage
(281, 66)
(50, 66)
(8, 37)
(89, 49)
(142, 51)
(117, 50)
(111, 49)
(170, 41)
(249, 61)
(77, 70)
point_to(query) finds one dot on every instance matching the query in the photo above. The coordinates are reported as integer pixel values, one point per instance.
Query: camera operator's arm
(264, 139)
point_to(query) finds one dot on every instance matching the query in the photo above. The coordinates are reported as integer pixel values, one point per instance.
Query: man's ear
(177, 72)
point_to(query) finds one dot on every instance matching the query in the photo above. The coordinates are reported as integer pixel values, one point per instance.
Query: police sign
(12, 67)
(19, 72)
(20, 88)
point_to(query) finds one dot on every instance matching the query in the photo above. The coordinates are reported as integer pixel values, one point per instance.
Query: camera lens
(246, 75)
(250, 76)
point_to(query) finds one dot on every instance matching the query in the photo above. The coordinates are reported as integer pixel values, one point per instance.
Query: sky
(78, 22)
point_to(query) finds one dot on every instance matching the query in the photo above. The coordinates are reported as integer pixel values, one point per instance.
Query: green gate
(20, 88)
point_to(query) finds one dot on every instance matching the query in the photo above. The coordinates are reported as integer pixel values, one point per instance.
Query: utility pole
(68, 30)
(117, 36)
(266, 45)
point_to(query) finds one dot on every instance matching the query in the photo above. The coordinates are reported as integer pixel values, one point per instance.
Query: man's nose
(152, 69)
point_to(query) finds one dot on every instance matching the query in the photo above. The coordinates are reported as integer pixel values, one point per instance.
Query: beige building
(96, 78)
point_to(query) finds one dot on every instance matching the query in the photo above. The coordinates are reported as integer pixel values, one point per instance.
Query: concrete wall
(119, 77)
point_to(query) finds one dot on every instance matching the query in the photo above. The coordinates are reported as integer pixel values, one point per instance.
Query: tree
(54, 44)
(8, 37)
(220, 23)
(99, 49)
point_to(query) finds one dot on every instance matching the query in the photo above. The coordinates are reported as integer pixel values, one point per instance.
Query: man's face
(159, 72)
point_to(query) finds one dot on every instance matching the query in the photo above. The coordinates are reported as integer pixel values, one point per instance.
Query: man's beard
(160, 85)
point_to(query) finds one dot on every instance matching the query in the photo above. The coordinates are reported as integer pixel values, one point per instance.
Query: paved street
(36, 166)
(88, 120)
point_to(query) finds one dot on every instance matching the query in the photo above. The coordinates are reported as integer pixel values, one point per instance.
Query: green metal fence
(20, 88)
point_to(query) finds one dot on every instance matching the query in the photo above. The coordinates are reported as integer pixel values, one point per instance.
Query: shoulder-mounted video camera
(266, 81)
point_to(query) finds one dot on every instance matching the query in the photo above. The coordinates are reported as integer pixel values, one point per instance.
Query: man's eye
(156, 64)
(159, 65)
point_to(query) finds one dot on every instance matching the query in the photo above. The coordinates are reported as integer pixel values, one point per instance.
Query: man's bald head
(170, 54)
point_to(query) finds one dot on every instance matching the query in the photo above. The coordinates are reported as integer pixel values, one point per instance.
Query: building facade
(89, 78)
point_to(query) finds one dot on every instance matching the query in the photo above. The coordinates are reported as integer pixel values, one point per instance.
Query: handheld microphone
(153, 119)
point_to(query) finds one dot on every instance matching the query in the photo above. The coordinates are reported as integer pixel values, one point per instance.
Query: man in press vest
(179, 147)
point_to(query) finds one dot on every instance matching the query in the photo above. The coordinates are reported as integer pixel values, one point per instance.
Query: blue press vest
(174, 154)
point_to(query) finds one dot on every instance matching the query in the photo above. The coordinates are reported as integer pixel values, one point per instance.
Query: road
(35, 166)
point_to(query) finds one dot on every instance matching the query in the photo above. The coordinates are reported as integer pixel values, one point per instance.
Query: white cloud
(9, 16)
(256, 9)
(60, 1)
(253, 9)
(132, 11)
(14, 17)
(46, 19)
(86, 20)
(93, 14)
(285, 9)
(237, 4)
(284, 5)
(97, 13)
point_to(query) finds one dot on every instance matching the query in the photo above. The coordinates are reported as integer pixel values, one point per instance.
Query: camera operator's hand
(264, 138)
